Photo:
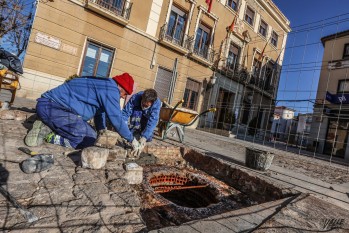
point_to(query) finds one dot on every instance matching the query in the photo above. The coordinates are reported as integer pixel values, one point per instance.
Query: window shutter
(162, 83)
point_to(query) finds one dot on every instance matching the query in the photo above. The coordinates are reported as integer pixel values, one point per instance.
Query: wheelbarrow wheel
(161, 129)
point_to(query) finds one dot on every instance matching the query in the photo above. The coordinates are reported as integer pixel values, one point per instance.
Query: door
(336, 138)
(225, 116)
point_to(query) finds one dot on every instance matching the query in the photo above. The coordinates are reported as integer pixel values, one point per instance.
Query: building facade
(330, 125)
(284, 125)
(247, 68)
(178, 47)
(303, 128)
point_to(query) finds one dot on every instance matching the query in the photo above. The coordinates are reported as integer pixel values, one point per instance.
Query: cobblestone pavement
(65, 198)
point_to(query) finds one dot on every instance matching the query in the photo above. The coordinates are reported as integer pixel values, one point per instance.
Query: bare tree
(15, 23)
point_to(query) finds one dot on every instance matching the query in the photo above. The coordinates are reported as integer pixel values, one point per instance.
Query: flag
(209, 5)
(231, 29)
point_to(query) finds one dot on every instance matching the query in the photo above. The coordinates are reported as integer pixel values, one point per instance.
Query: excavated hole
(197, 186)
(172, 196)
(182, 191)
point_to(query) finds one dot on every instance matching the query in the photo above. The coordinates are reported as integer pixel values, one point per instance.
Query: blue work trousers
(66, 123)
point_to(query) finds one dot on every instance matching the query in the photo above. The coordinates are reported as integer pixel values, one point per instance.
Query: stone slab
(94, 157)
(134, 173)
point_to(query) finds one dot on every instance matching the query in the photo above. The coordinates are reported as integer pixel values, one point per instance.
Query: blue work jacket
(140, 120)
(91, 97)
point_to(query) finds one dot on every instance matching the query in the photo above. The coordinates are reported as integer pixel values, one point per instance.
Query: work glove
(135, 148)
(142, 143)
(135, 144)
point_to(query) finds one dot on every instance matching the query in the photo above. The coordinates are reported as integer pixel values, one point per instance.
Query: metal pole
(173, 81)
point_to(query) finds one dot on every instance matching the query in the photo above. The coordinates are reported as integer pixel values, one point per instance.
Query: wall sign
(69, 49)
(47, 40)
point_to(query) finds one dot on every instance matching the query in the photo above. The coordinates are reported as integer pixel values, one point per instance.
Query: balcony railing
(204, 52)
(180, 40)
(261, 84)
(235, 71)
(119, 8)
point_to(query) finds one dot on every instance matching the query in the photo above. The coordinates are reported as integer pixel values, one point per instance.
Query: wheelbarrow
(9, 83)
(176, 119)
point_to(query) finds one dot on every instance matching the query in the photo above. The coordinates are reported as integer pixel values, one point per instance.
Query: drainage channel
(172, 196)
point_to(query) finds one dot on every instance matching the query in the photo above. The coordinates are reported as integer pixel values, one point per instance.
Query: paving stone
(117, 223)
(82, 225)
(7, 115)
(94, 157)
(117, 154)
(90, 191)
(210, 226)
(114, 170)
(181, 229)
(89, 176)
(53, 196)
(20, 116)
(10, 216)
(118, 185)
(107, 139)
(134, 173)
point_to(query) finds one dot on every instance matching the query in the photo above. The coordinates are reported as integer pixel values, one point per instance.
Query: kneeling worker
(65, 110)
(142, 111)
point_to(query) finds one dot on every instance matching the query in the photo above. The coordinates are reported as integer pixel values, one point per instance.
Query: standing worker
(142, 111)
(65, 110)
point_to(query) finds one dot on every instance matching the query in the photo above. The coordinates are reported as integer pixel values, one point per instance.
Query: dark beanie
(125, 81)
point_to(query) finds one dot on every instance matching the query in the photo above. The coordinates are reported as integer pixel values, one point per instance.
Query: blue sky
(310, 20)
(3, 41)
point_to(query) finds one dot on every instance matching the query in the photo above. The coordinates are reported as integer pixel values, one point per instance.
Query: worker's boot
(56, 139)
(37, 134)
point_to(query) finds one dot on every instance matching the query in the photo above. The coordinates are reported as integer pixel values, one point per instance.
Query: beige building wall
(334, 68)
(333, 52)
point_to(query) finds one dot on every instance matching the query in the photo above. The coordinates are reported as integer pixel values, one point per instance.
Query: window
(263, 28)
(346, 51)
(233, 4)
(202, 41)
(274, 38)
(176, 25)
(117, 6)
(191, 94)
(343, 86)
(97, 60)
(233, 55)
(249, 16)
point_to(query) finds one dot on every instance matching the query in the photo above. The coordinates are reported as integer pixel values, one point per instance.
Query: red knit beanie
(125, 81)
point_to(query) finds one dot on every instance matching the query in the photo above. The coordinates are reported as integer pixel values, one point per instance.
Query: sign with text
(337, 98)
(47, 40)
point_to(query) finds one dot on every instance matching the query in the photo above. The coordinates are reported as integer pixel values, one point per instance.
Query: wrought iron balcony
(174, 39)
(117, 10)
(204, 52)
(261, 84)
(235, 71)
